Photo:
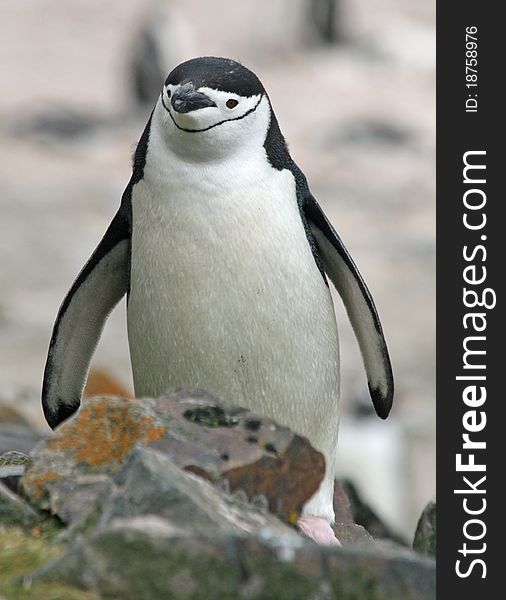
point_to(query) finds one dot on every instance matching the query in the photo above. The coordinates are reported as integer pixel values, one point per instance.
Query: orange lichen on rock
(105, 431)
(37, 482)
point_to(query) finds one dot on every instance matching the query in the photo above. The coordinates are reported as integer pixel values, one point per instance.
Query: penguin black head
(212, 102)
(221, 74)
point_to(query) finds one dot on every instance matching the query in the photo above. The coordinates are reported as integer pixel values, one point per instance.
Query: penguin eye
(231, 103)
(168, 93)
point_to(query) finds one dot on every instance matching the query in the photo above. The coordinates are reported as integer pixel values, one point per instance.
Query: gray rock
(74, 499)
(18, 437)
(146, 557)
(425, 534)
(163, 533)
(151, 485)
(14, 511)
(123, 474)
(350, 534)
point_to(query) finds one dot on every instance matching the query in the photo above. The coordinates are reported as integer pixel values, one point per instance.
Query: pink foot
(319, 530)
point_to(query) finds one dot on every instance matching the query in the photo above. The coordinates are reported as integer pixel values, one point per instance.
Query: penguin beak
(185, 99)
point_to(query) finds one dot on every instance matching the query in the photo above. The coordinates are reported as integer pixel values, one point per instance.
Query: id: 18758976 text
(472, 69)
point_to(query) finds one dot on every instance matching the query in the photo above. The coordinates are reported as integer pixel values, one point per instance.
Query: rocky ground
(359, 118)
(185, 496)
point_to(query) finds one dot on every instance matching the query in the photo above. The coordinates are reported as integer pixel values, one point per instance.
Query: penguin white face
(197, 111)
(211, 107)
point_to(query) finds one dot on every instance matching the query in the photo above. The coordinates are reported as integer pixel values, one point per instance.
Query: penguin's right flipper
(98, 288)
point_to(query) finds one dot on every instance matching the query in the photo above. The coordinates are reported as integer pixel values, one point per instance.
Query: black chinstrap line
(248, 112)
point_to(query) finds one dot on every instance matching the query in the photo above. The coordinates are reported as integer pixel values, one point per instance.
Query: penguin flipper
(98, 288)
(359, 305)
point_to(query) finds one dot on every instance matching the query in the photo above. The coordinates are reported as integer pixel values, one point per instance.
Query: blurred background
(353, 86)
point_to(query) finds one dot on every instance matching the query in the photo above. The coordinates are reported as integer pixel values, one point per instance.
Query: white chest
(208, 235)
(225, 293)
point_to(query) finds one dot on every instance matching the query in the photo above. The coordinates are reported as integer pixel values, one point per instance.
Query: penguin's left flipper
(341, 269)
(98, 288)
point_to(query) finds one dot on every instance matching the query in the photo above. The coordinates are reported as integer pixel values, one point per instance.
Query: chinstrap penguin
(224, 255)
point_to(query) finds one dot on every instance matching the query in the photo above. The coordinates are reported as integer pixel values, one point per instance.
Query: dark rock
(342, 505)
(363, 514)
(380, 574)
(345, 528)
(372, 134)
(147, 70)
(324, 16)
(425, 534)
(14, 511)
(59, 123)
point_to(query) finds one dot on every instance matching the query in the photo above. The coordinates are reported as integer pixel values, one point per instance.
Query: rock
(362, 513)
(350, 534)
(157, 510)
(386, 226)
(84, 452)
(150, 484)
(381, 574)
(12, 467)
(14, 511)
(369, 134)
(199, 433)
(20, 438)
(60, 123)
(13, 463)
(177, 565)
(22, 552)
(324, 15)
(172, 566)
(425, 534)
(147, 70)
(342, 505)
(15, 432)
(217, 440)
(345, 528)
(73, 499)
